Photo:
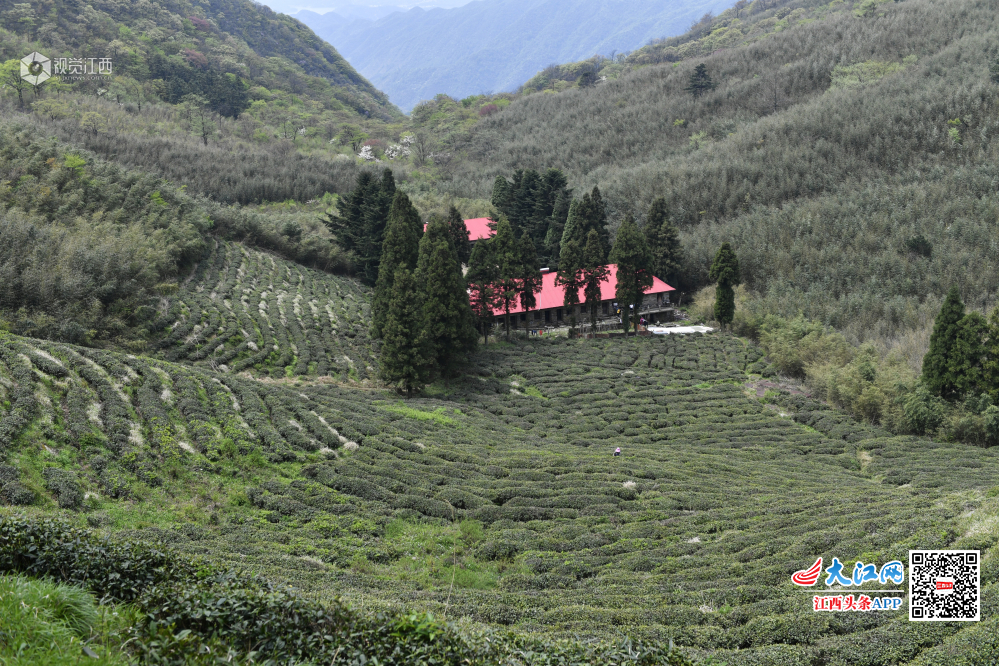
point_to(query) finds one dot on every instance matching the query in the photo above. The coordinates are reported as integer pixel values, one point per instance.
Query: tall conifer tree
(458, 233)
(406, 358)
(399, 250)
(448, 323)
(937, 364)
(725, 272)
(634, 275)
(507, 254)
(482, 277)
(663, 239)
(594, 273)
(529, 280)
(570, 275)
(968, 354)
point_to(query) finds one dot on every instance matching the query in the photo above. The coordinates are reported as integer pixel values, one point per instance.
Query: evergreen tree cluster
(359, 224)
(963, 359)
(536, 204)
(503, 272)
(634, 274)
(420, 308)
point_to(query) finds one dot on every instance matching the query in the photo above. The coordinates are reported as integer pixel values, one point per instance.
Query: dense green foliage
(399, 249)
(634, 274)
(820, 174)
(505, 483)
(197, 612)
(242, 309)
(726, 275)
(537, 205)
(359, 223)
(940, 372)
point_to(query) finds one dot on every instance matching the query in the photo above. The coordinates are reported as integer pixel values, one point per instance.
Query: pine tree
(448, 322)
(458, 233)
(725, 272)
(399, 250)
(501, 195)
(507, 255)
(937, 373)
(360, 225)
(664, 243)
(700, 81)
(556, 227)
(529, 279)
(406, 360)
(965, 363)
(592, 215)
(482, 276)
(594, 273)
(570, 274)
(634, 274)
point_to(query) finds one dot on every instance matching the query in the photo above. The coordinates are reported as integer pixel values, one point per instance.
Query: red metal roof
(478, 228)
(553, 295)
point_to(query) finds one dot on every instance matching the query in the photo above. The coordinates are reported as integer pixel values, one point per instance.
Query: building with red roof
(550, 310)
(478, 228)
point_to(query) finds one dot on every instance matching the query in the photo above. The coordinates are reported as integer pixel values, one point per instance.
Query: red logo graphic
(945, 585)
(808, 577)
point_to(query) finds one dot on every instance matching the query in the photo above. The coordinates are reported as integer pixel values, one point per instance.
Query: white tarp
(668, 330)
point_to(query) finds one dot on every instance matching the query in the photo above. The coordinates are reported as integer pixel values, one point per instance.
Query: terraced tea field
(242, 309)
(497, 499)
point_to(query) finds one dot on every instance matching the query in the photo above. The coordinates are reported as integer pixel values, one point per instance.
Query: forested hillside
(823, 148)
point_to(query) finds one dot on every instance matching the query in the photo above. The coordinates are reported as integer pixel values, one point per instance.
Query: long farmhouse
(550, 310)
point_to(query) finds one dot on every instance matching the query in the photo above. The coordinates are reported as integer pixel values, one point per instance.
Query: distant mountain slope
(192, 47)
(495, 45)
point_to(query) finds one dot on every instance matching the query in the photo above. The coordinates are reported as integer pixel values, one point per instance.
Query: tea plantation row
(496, 498)
(243, 309)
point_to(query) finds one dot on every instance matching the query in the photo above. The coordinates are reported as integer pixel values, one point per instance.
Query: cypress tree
(529, 280)
(593, 215)
(448, 323)
(507, 255)
(965, 364)
(458, 233)
(937, 374)
(937, 364)
(399, 250)
(634, 274)
(482, 276)
(556, 226)
(501, 195)
(725, 272)
(570, 275)
(347, 225)
(594, 273)
(663, 239)
(406, 360)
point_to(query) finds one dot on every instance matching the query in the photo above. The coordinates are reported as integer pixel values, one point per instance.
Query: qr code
(944, 585)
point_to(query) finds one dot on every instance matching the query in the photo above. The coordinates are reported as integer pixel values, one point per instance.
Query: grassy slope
(818, 197)
(691, 534)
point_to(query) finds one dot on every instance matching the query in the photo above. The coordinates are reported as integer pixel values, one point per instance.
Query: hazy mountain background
(353, 10)
(494, 45)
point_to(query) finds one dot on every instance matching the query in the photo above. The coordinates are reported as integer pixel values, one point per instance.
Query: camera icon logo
(36, 68)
